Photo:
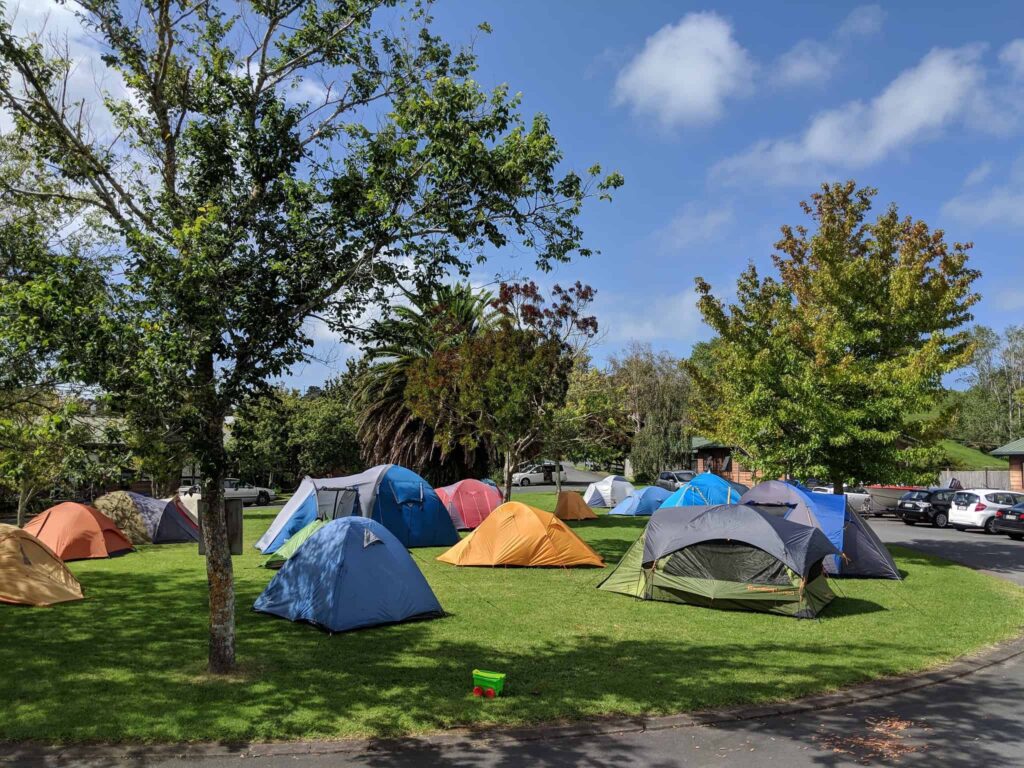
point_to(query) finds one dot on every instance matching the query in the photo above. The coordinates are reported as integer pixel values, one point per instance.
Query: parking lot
(998, 555)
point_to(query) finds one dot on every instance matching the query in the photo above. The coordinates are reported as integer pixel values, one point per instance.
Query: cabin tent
(728, 556)
(644, 502)
(607, 492)
(392, 495)
(143, 519)
(571, 506)
(351, 573)
(517, 534)
(290, 547)
(706, 489)
(30, 573)
(863, 553)
(78, 532)
(469, 502)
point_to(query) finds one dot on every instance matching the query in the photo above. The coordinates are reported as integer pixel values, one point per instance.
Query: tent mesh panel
(727, 561)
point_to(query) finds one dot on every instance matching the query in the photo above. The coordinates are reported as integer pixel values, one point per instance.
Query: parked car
(930, 506)
(977, 507)
(538, 474)
(673, 478)
(857, 498)
(235, 489)
(1010, 522)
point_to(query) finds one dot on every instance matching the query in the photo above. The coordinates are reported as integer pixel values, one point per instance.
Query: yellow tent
(30, 573)
(572, 507)
(517, 534)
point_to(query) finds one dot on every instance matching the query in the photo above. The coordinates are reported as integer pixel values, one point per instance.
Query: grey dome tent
(863, 553)
(730, 556)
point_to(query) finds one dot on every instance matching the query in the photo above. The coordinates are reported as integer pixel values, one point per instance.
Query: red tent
(469, 502)
(78, 532)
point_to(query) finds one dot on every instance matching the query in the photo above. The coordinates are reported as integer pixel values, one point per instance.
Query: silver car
(673, 478)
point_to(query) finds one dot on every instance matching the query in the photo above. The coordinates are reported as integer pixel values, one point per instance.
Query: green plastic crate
(484, 682)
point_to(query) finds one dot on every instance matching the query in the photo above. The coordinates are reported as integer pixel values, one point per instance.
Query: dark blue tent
(863, 553)
(165, 521)
(411, 509)
(351, 573)
(643, 502)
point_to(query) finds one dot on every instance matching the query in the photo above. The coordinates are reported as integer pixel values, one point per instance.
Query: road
(577, 480)
(968, 721)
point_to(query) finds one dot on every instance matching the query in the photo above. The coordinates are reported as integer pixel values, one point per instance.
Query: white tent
(608, 492)
(326, 492)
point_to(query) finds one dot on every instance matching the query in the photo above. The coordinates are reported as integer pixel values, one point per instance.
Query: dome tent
(469, 502)
(706, 489)
(570, 506)
(728, 556)
(397, 497)
(644, 502)
(607, 492)
(144, 519)
(351, 573)
(863, 553)
(520, 535)
(30, 573)
(78, 532)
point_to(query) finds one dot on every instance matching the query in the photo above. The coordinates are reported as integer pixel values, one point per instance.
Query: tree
(388, 430)
(261, 443)
(657, 398)
(43, 443)
(505, 383)
(592, 424)
(297, 160)
(826, 370)
(991, 411)
(322, 432)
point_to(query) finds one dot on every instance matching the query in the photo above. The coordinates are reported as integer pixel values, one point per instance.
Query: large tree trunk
(837, 484)
(219, 573)
(507, 475)
(558, 474)
(24, 499)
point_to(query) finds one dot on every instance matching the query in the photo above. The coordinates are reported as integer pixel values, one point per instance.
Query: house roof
(1015, 448)
(697, 443)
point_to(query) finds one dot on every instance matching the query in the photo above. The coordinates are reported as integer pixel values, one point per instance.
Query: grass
(963, 457)
(127, 664)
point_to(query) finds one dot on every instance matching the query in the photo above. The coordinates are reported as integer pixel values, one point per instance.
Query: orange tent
(30, 573)
(571, 506)
(517, 534)
(78, 532)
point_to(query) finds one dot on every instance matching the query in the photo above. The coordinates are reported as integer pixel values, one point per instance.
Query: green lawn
(964, 457)
(127, 663)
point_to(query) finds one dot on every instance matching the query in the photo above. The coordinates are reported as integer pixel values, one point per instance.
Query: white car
(857, 498)
(977, 507)
(235, 489)
(538, 474)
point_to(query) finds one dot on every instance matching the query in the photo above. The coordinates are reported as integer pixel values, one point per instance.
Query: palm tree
(387, 430)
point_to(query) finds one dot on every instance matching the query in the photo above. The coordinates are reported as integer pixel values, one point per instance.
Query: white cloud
(694, 224)
(671, 317)
(999, 206)
(1012, 56)
(686, 72)
(1010, 300)
(863, 21)
(978, 174)
(809, 61)
(915, 106)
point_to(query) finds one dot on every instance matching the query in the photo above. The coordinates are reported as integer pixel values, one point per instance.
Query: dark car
(672, 479)
(1010, 521)
(929, 506)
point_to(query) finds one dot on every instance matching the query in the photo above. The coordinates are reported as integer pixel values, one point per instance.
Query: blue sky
(723, 117)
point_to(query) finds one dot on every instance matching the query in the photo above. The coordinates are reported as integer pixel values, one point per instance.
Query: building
(709, 456)
(1015, 453)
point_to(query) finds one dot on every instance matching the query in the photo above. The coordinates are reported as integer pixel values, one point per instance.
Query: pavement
(965, 714)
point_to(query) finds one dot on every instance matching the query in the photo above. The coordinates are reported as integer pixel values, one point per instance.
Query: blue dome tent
(352, 573)
(643, 502)
(863, 553)
(397, 497)
(706, 489)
